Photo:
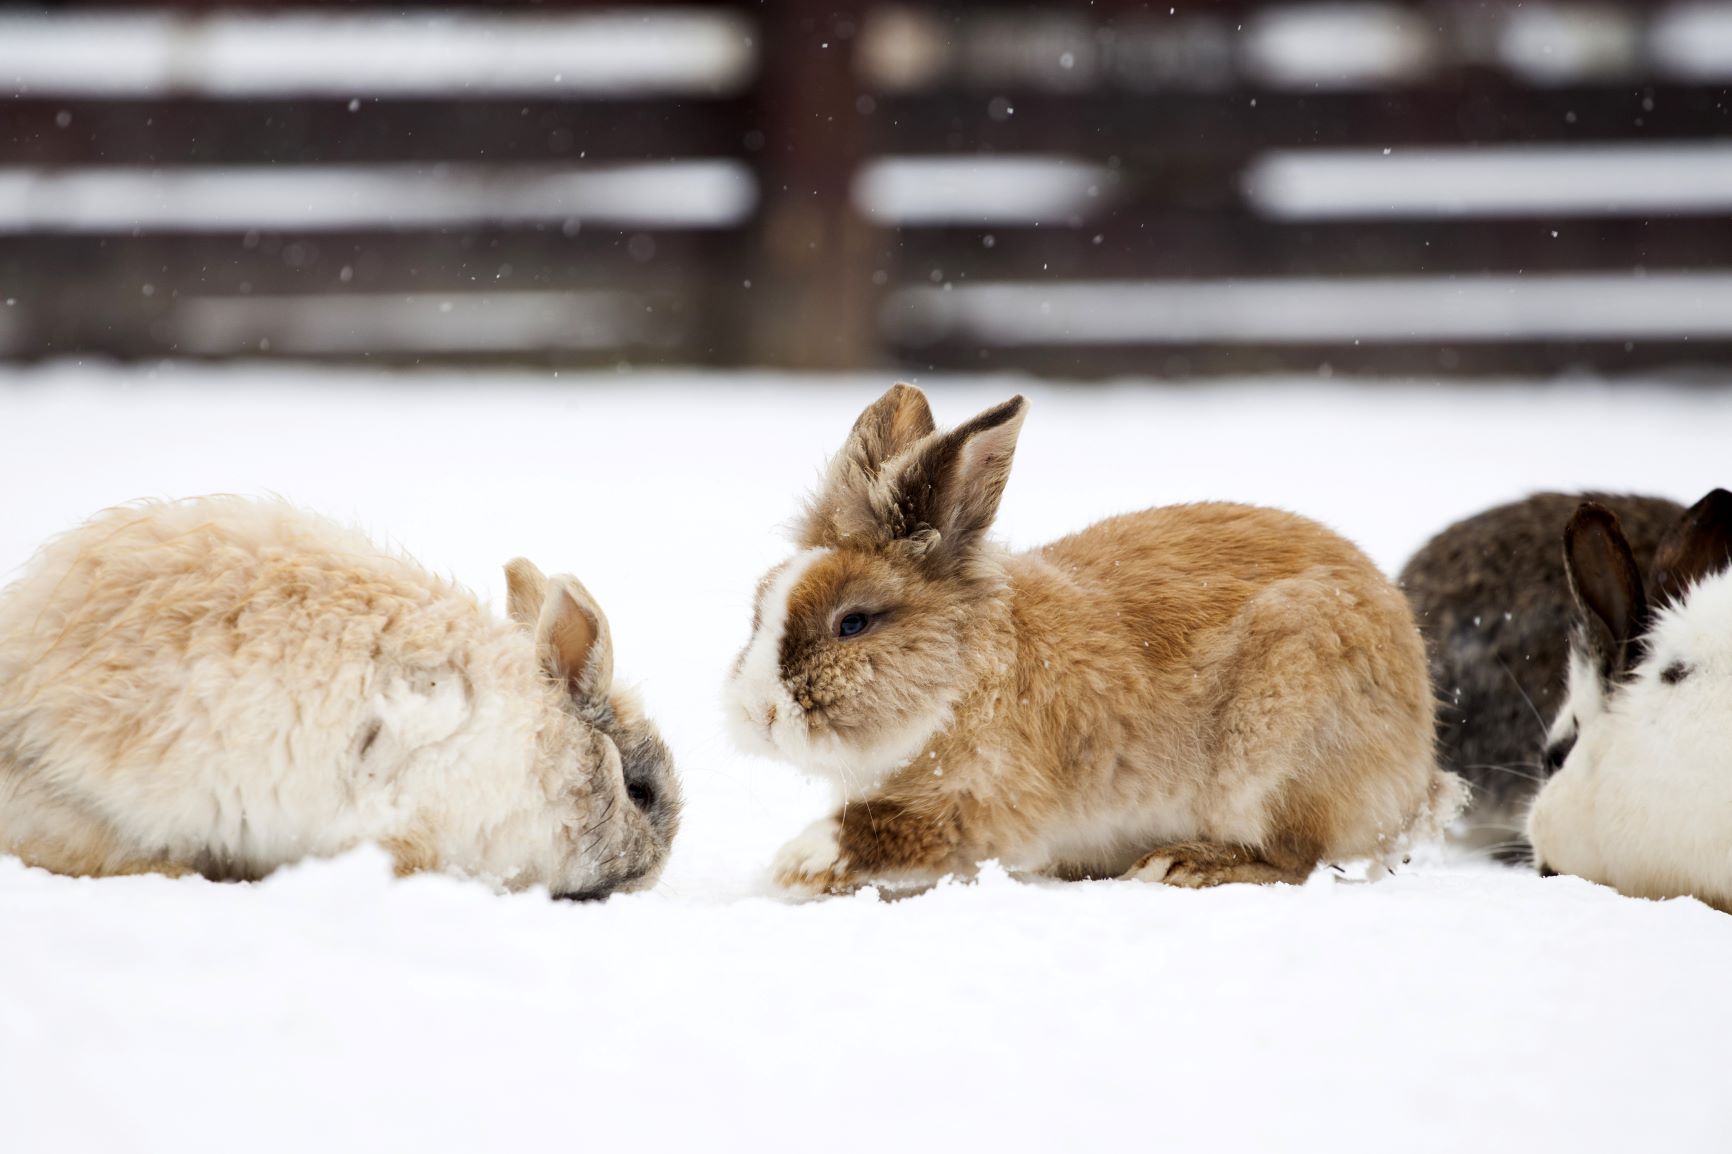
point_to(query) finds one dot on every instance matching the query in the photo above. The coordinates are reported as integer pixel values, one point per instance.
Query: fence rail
(1085, 189)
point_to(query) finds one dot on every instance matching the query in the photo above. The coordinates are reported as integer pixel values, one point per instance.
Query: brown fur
(1198, 865)
(1235, 688)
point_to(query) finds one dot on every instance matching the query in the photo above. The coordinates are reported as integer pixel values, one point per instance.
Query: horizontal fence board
(664, 325)
(1137, 244)
(310, 131)
(340, 262)
(1164, 129)
(430, 7)
(119, 295)
(802, 279)
(1115, 9)
(1685, 359)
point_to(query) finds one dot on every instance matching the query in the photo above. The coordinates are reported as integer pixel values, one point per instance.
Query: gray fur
(1493, 603)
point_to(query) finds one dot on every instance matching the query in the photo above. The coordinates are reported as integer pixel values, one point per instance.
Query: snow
(1570, 45)
(919, 190)
(689, 193)
(1363, 45)
(1693, 41)
(1455, 1006)
(1470, 307)
(359, 324)
(1552, 181)
(1337, 45)
(374, 54)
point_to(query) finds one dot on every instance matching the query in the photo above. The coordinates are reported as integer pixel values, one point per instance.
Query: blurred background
(1448, 187)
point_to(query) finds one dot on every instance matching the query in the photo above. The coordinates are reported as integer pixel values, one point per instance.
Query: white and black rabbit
(1493, 603)
(1642, 800)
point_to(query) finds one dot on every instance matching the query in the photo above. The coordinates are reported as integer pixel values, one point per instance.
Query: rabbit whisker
(1512, 770)
(606, 815)
(1532, 708)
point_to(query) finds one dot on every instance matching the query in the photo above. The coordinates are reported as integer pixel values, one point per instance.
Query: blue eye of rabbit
(852, 625)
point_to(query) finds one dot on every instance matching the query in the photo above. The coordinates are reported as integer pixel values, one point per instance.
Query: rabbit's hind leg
(1198, 865)
(55, 833)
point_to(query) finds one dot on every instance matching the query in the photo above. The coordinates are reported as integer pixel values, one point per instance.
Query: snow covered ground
(1457, 1006)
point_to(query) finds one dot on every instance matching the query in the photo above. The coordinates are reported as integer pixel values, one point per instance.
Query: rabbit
(1494, 606)
(1642, 801)
(1191, 695)
(222, 686)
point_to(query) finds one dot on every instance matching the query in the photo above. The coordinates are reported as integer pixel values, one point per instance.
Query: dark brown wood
(117, 294)
(478, 260)
(1151, 244)
(1157, 130)
(799, 285)
(1681, 360)
(319, 131)
(811, 294)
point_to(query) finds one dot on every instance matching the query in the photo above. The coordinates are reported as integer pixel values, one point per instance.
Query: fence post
(808, 253)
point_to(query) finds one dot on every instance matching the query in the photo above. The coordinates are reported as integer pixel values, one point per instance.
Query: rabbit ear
(573, 639)
(889, 425)
(953, 486)
(1699, 546)
(841, 508)
(1607, 585)
(525, 590)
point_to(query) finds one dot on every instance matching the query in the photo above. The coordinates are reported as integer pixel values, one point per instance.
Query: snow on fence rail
(771, 183)
(239, 54)
(674, 194)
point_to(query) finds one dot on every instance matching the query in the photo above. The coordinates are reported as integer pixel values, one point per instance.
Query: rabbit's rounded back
(1495, 610)
(224, 685)
(1240, 681)
(1643, 800)
(1493, 603)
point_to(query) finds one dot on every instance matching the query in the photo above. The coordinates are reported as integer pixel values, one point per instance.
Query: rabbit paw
(812, 863)
(1199, 865)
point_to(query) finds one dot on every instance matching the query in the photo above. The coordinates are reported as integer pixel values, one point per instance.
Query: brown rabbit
(1197, 694)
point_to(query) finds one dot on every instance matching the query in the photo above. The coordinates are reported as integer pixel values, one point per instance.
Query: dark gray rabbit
(1493, 602)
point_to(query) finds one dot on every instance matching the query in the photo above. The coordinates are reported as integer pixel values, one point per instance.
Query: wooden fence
(1074, 188)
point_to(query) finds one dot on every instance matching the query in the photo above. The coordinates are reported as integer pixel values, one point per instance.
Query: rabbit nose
(769, 715)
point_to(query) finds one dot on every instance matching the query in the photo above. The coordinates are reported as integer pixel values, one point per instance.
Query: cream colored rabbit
(223, 686)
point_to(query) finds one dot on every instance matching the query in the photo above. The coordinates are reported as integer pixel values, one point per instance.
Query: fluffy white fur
(1644, 801)
(766, 719)
(757, 700)
(1584, 699)
(816, 850)
(224, 686)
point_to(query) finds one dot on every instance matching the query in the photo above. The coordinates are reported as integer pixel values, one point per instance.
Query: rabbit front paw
(812, 863)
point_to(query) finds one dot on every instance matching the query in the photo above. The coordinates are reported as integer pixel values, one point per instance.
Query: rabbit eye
(641, 795)
(1557, 754)
(852, 625)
